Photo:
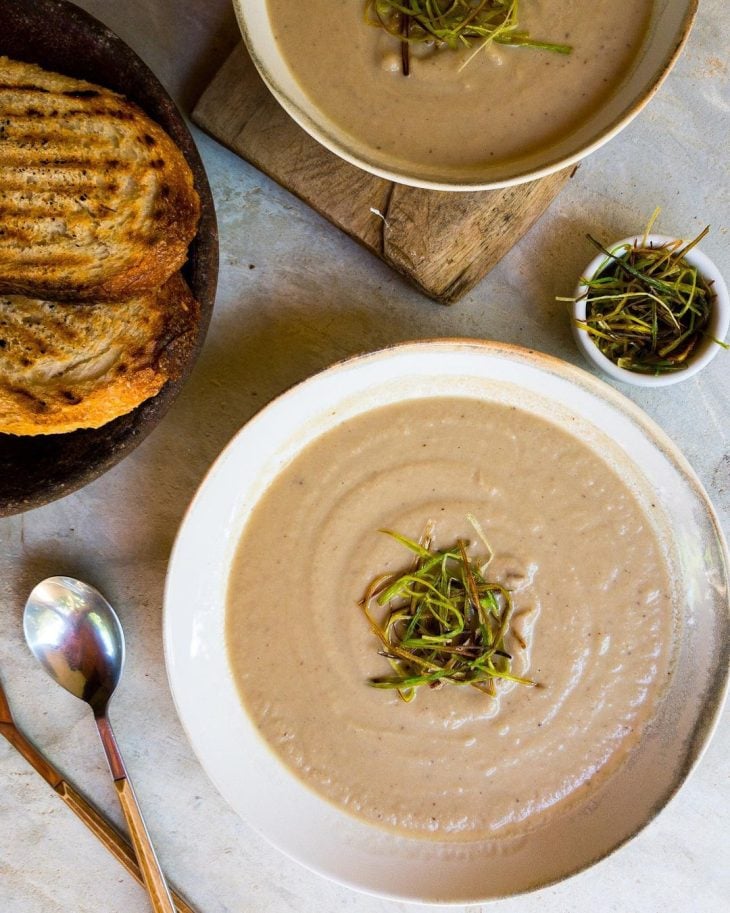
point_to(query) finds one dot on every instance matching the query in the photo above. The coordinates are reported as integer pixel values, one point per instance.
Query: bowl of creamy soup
(598, 531)
(486, 95)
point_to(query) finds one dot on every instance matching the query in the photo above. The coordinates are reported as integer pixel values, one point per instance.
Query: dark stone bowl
(59, 36)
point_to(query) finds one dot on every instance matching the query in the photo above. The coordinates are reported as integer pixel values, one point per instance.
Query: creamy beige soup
(506, 103)
(592, 603)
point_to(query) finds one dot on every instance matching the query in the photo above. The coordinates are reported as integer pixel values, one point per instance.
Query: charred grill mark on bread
(69, 365)
(97, 208)
(96, 201)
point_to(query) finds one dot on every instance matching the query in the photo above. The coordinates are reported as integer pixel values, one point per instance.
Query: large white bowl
(258, 785)
(669, 27)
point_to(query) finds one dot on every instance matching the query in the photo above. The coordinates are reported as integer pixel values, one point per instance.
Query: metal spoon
(76, 636)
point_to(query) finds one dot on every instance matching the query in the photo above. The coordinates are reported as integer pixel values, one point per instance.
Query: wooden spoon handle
(151, 872)
(110, 837)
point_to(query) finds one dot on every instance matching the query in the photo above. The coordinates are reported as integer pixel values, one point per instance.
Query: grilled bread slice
(67, 365)
(96, 201)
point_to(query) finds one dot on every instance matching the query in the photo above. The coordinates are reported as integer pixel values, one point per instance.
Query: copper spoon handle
(154, 879)
(104, 830)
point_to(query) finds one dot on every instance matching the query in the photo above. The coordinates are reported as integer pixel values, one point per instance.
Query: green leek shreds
(445, 622)
(647, 308)
(455, 24)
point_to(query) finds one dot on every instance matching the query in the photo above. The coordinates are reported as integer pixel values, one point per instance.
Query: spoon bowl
(76, 636)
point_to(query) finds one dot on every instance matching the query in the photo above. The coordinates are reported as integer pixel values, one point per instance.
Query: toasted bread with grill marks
(69, 365)
(96, 201)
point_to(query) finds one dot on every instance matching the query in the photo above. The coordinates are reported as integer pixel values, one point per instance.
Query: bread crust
(71, 365)
(96, 201)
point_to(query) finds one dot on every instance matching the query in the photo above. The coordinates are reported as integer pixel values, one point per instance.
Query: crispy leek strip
(455, 24)
(445, 622)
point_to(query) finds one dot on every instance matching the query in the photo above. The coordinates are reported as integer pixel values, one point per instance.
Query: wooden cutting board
(444, 243)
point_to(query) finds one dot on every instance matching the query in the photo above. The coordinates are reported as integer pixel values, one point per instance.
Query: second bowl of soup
(508, 95)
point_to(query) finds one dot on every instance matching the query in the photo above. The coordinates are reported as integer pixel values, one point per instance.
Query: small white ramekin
(707, 349)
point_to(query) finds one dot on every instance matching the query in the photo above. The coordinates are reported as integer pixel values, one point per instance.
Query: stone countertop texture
(294, 296)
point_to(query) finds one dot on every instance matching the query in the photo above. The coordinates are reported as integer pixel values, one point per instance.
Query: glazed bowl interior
(668, 29)
(325, 838)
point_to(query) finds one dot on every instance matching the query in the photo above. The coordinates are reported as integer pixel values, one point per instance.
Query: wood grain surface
(443, 242)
